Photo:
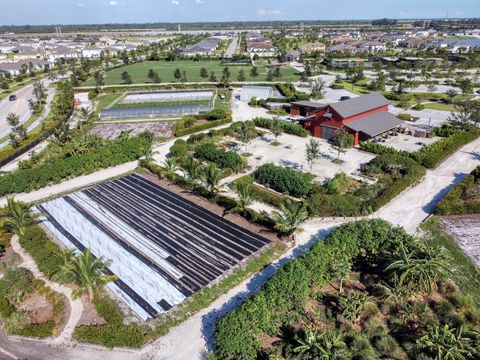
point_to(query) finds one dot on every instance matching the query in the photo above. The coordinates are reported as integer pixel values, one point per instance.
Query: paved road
(20, 107)
(232, 48)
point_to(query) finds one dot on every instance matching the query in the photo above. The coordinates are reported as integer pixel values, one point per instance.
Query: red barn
(364, 117)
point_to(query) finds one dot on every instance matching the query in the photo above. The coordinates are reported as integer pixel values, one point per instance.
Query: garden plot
(160, 129)
(291, 153)
(409, 143)
(160, 104)
(162, 247)
(465, 230)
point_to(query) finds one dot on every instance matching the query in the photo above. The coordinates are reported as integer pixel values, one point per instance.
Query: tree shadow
(291, 165)
(430, 207)
(254, 284)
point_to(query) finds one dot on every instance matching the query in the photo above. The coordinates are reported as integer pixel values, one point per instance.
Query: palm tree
(420, 269)
(292, 214)
(148, 154)
(211, 176)
(64, 258)
(246, 132)
(446, 344)
(88, 273)
(84, 114)
(18, 216)
(171, 165)
(192, 168)
(13, 120)
(245, 198)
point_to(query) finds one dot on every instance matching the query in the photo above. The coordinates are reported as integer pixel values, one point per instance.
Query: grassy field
(165, 69)
(439, 106)
(105, 100)
(358, 89)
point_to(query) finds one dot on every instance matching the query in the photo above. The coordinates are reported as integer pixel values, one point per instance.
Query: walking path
(76, 306)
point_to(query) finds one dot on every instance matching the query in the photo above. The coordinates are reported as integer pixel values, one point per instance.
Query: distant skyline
(44, 12)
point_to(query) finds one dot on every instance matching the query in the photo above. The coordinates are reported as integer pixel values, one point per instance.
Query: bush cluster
(222, 158)
(456, 202)
(238, 333)
(113, 153)
(284, 180)
(287, 127)
(292, 93)
(182, 130)
(179, 148)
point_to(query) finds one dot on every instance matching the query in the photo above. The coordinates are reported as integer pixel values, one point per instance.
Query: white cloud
(175, 2)
(199, 2)
(113, 3)
(271, 12)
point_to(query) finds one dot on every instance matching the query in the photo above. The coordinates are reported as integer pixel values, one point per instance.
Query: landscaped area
(166, 69)
(362, 293)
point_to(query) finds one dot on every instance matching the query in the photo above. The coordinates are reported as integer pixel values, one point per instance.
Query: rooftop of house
(359, 105)
(375, 124)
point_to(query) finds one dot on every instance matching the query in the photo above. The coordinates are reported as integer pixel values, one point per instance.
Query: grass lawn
(465, 274)
(358, 89)
(165, 69)
(439, 106)
(105, 100)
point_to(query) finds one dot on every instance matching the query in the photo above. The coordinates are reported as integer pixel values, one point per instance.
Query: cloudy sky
(121, 11)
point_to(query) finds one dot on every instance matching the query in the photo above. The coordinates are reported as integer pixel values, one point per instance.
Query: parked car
(343, 98)
(12, 97)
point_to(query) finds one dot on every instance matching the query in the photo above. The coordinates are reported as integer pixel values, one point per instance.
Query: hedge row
(435, 153)
(431, 155)
(113, 153)
(454, 203)
(238, 334)
(412, 174)
(180, 130)
(284, 180)
(288, 127)
(292, 93)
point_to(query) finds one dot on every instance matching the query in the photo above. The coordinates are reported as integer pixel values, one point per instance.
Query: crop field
(166, 70)
(159, 129)
(162, 247)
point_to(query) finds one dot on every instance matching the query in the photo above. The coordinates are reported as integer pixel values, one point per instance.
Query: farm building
(365, 117)
(259, 92)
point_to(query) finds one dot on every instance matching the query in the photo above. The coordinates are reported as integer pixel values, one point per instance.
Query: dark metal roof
(359, 104)
(375, 124)
(310, 104)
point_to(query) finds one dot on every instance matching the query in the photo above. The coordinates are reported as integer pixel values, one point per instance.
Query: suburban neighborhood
(284, 185)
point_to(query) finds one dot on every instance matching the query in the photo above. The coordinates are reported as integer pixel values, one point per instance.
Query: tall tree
(241, 75)
(318, 88)
(177, 74)
(312, 152)
(340, 141)
(204, 73)
(246, 133)
(243, 189)
(13, 120)
(276, 129)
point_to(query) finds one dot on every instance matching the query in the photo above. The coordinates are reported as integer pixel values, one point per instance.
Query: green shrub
(115, 333)
(41, 249)
(287, 127)
(180, 129)
(261, 194)
(284, 180)
(16, 284)
(334, 205)
(405, 116)
(179, 148)
(6, 309)
(338, 184)
(455, 203)
(223, 159)
(113, 153)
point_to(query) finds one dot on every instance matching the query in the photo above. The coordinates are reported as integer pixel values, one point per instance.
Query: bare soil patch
(38, 307)
(90, 315)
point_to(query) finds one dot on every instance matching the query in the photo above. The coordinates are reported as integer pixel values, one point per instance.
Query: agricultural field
(166, 70)
(162, 247)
